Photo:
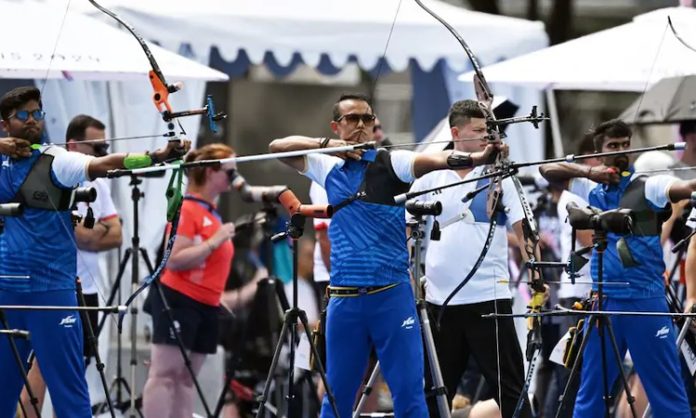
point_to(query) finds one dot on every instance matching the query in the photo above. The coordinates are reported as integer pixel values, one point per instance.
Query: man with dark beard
(38, 250)
(636, 258)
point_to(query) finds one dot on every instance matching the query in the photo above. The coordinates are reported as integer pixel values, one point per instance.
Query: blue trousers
(652, 343)
(388, 321)
(56, 338)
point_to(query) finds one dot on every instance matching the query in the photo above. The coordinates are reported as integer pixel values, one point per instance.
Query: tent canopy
(82, 48)
(316, 30)
(671, 100)
(630, 57)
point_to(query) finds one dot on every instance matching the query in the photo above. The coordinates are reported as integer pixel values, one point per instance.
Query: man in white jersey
(465, 224)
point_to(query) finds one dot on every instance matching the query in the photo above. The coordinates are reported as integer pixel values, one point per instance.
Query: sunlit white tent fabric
(629, 57)
(83, 48)
(337, 29)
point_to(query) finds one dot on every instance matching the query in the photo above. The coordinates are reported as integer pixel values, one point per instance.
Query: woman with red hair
(192, 285)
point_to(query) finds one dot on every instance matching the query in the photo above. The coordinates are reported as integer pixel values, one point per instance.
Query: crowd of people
(363, 280)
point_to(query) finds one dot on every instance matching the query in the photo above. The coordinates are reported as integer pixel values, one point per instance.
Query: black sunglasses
(101, 149)
(366, 118)
(23, 115)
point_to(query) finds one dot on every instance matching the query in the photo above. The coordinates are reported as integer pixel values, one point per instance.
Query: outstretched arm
(301, 143)
(98, 167)
(424, 163)
(563, 172)
(681, 190)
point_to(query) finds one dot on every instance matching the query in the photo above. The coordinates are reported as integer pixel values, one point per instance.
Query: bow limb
(676, 35)
(485, 98)
(161, 89)
(484, 95)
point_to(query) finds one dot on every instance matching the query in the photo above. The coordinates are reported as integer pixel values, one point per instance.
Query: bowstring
(652, 69)
(55, 48)
(70, 231)
(497, 335)
(382, 61)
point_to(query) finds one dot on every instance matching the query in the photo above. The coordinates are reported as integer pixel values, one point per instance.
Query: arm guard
(459, 159)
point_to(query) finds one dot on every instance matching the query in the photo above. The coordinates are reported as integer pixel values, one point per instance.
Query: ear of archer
(455, 132)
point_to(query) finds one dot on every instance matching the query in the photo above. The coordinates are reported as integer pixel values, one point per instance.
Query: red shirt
(205, 283)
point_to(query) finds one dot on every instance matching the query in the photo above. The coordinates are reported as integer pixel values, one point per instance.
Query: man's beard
(33, 134)
(622, 163)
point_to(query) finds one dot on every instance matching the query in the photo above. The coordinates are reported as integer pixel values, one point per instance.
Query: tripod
(294, 231)
(133, 254)
(266, 222)
(603, 323)
(92, 341)
(11, 334)
(416, 226)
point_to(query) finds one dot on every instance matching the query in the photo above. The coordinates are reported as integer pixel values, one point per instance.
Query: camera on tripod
(85, 195)
(618, 221)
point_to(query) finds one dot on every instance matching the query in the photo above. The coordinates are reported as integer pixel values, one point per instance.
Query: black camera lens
(85, 194)
(617, 221)
(417, 208)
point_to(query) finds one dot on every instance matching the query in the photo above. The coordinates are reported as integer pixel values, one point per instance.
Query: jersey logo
(662, 332)
(40, 196)
(68, 321)
(408, 323)
(206, 221)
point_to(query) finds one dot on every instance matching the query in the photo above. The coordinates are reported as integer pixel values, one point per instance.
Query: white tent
(340, 30)
(366, 30)
(82, 48)
(629, 57)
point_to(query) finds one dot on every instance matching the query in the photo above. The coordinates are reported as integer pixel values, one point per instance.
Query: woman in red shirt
(192, 284)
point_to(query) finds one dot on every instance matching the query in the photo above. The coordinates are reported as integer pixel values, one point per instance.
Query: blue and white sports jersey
(39, 243)
(368, 236)
(645, 279)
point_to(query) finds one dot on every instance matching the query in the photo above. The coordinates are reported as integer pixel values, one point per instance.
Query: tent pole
(555, 125)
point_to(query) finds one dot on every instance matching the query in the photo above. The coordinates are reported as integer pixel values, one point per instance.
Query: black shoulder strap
(379, 185)
(38, 190)
(646, 220)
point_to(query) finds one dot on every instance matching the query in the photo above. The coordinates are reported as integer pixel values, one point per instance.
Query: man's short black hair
(78, 126)
(587, 144)
(462, 111)
(687, 127)
(614, 128)
(16, 98)
(349, 96)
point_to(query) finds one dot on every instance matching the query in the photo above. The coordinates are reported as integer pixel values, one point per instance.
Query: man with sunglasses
(85, 135)
(371, 302)
(38, 251)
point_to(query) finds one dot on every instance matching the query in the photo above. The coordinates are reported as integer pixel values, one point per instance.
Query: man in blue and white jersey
(636, 258)
(38, 252)
(371, 302)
